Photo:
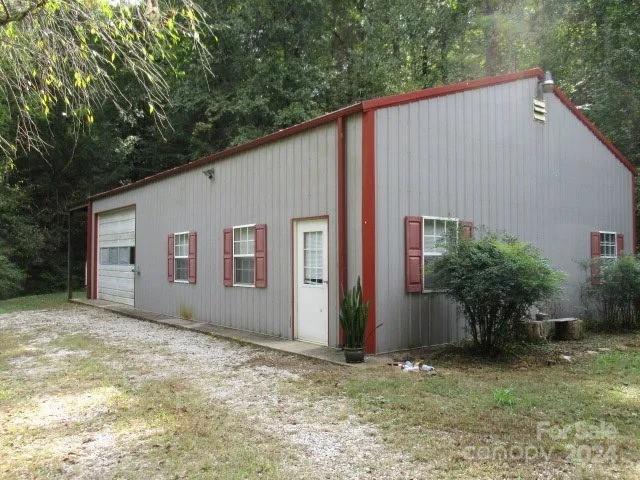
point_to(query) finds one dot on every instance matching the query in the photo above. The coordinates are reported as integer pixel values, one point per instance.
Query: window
(181, 257)
(608, 245)
(436, 232)
(117, 255)
(313, 274)
(244, 240)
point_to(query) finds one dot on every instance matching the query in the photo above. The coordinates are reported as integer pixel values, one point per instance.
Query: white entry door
(311, 281)
(116, 255)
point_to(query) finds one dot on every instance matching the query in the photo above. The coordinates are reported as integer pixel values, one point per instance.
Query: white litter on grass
(409, 366)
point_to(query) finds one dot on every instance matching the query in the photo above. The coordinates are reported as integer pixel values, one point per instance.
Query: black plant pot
(354, 355)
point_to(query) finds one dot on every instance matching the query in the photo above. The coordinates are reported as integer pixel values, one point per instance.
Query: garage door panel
(114, 240)
(119, 283)
(114, 292)
(116, 229)
(117, 299)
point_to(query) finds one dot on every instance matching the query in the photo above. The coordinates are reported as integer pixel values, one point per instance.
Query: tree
(65, 53)
(21, 240)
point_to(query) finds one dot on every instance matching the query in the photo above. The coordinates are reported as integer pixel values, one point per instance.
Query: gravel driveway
(322, 436)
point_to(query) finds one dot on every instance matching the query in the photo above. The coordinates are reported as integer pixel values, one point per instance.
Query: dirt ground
(89, 394)
(60, 423)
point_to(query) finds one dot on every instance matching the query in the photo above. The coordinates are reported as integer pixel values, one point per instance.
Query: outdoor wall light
(210, 174)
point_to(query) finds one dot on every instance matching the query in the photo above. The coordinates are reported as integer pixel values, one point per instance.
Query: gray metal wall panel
(479, 155)
(271, 184)
(354, 198)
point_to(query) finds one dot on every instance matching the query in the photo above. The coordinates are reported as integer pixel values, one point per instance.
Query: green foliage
(66, 54)
(274, 63)
(504, 397)
(496, 280)
(21, 240)
(354, 314)
(11, 278)
(185, 312)
(614, 302)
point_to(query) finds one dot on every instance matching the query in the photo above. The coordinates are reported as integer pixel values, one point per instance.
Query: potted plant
(353, 320)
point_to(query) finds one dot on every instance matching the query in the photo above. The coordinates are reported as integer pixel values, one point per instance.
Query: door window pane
(313, 274)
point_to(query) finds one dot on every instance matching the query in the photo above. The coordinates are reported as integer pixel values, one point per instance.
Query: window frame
(434, 254)
(176, 257)
(118, 248)
(615, 244)
(235, 255)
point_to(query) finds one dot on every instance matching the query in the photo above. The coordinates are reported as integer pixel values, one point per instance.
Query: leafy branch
(66, 54)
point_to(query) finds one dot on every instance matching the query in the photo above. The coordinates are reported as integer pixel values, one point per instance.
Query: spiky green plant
(353, 316)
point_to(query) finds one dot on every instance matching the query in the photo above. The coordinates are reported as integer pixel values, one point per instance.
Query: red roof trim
(286, 132)
(393, 100)
(591, 126)
(367, 105)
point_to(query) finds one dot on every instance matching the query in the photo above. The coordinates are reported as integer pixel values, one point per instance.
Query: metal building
(264, 236)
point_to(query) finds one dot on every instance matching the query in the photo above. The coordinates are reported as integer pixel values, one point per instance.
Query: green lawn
(534, 415)
(37, 302)
(537, 413)
(63, 413)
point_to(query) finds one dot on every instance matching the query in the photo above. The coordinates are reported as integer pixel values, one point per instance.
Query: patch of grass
(52, 419)
(45, 301)
(12, 345)
(193, 437)
(503, 403)
(618, 362)
(185, 312)
(76, 341)
(504, 397)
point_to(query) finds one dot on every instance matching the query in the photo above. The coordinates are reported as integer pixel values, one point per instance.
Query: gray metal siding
(271, 184)
(479, 155)
(354, 198)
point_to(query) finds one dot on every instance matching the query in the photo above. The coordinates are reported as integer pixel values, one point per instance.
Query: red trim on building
(342, 216)
(369, 226)
(393, 100)
(601, 136)
(94, 290)
(89, 248)
(634, 209)
(375, 103)
(286, 132)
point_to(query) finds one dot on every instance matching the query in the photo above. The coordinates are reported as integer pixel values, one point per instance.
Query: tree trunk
(491, 38)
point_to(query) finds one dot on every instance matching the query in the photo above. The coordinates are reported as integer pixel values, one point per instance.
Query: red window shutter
(466, 229)
(193, 255)
(170, 257)
(620, 244)
(595, 254)
(227, 262)
(413, 254)
(261, 256)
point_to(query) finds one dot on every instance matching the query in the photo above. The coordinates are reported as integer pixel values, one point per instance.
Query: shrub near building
(612, 296)
(496, 280)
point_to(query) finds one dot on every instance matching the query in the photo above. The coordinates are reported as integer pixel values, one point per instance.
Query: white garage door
(117, 250)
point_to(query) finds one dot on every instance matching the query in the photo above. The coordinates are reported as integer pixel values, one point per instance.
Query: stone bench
(554, 328)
